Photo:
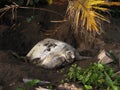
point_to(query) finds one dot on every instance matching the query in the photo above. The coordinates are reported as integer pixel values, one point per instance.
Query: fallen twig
(14, 7)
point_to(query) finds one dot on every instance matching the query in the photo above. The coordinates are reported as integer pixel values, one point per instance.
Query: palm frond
(112, 3)
(84, 15)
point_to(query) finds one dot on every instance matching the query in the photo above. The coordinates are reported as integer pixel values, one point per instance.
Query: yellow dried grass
(85, 17)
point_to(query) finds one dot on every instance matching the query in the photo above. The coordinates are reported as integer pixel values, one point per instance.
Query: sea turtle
(50, 53)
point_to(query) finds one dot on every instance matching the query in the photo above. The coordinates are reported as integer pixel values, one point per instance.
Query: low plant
(29, 83)
(51, 87)
(74, 73)
(94, 77)
(20, 88)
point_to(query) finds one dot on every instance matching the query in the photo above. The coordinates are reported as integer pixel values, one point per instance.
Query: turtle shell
(51, 53)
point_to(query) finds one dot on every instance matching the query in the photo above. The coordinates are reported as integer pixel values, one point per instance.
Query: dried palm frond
(85, 17)
(83, 13)
(12, 7)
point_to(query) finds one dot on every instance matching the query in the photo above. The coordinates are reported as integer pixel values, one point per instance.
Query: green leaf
(20, 88)
(33, 82)
(80, 77)
(109, 82)
(100, 66)
(108, 88)
(62, 81)
(101, 80)
(98, 75)
(88, 87)
(51, 87)
(85, 80)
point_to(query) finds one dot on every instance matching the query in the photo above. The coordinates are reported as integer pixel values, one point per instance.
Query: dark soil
(20, 36)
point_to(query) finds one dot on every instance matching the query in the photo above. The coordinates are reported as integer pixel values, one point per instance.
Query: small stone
(104, 57)
(41, 88)
(67, 86)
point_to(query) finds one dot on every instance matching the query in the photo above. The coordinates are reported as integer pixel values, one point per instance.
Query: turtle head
(70, 56)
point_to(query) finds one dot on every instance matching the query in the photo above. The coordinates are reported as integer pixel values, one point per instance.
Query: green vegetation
(50, 87)
(33, 83)
(96, 76)
(30, 84)
(20, 88)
